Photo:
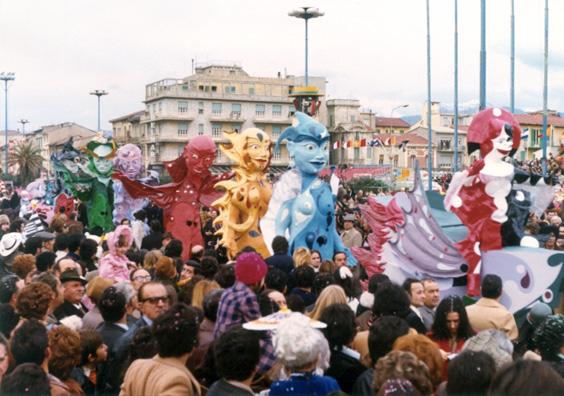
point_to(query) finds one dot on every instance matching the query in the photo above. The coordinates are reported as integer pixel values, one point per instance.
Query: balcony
(175, 91)
(167, 117)
(233, 117)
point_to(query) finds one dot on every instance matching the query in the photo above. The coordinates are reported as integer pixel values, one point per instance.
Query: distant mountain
(411, 119)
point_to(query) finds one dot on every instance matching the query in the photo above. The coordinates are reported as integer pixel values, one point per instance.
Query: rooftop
(536, 120)
(394, 122)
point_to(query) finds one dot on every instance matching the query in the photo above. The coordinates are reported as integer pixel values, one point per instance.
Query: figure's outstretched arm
(284, 218)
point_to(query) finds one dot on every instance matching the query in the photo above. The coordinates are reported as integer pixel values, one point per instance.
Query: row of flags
(374, 142)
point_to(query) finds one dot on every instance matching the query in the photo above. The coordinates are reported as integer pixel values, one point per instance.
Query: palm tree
(27, 159)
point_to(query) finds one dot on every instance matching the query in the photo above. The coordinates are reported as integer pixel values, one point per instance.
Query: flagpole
(545, 91)
(456, 85)
(429, 133)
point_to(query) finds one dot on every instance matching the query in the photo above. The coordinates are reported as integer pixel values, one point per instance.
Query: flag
(403, 145)
(362, 142)
(356, 143)
(349, 143)
(525, 134)
(336, 145)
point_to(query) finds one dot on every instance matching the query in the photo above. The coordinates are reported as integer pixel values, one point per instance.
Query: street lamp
(23, 121)
(6, 77)
(98, 93)
(398, 107)
(306, 13)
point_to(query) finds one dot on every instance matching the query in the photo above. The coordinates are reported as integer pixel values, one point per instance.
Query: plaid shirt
(239, 305)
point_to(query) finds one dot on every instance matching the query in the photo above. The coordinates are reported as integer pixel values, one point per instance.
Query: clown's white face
(503, 143)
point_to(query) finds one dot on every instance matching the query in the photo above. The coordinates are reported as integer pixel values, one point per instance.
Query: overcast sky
(372, 50)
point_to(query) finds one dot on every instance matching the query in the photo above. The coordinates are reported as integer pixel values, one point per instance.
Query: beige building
(213, 99)
(360, 138)
(51, 138)
(531, 147)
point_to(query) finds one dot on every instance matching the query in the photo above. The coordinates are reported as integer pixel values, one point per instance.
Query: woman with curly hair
(24, 266)
(33, 302)
(451, 327)
(404, 370)
(426, 350)
(64, 345)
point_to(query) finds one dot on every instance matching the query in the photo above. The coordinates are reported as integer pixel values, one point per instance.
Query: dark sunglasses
(156, 300)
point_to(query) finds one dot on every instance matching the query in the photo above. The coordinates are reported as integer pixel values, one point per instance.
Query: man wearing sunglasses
(153, 301)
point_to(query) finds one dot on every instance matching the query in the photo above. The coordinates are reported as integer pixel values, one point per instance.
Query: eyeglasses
(145, 278)
(156, 300)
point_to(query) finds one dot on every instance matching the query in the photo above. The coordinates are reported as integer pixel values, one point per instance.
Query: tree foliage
(27, 159)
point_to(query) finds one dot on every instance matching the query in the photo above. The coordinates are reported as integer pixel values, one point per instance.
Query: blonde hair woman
(332, 294)
(151, 259)
(301, 256)
(202, 288)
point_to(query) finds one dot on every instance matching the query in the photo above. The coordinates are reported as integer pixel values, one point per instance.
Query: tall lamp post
(23, 121)
(429, 130)
(99, 93)
(545, 92)
(398, 107)
(6, 77)
(306, 13)
(456, 85)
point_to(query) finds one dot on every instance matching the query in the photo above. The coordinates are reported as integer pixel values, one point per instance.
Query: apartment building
(532, 126)
(213, 99)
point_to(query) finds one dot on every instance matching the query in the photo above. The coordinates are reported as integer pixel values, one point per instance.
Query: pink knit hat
(250, 268)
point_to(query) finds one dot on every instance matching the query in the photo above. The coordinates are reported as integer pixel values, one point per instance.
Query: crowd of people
(122, 313)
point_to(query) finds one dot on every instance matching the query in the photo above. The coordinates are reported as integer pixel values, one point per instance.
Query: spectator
(345, 278)
(112, 306)
(151, 259)
(526, 378)
(298, 347)
(4, 356)
(9, 249)
(9, 287)
(549, 340)
(451, 328)
(87, 255)
(153, 302)
(488, 313)
(66, 264)
(536, 315)
(415, 291)
(74, 242)
(10, 319)
(332, 294)
(237, 354)
(430, 302)
(276, 279)
(470, 373)
(165, 270)
(26, 379)
(34, 300)
(64, 347)
(73, 285)
(426, 351)
(93, 352)
(280, 259)
(301, 256)
(345, 364)
(45, 261)
(174, 249)
(139, 277)
(154, 240)
(30, 344)
(115, 265)
(339, 259)
(364, 312)
(239, 303)
(201, 289)
(321, 281)
(315, 260)
(276, 297)
(166, 373)
(209, 266)
(351, 236)
(304, 276)
(382, 335)
(328, 267)
(495, 343)
(406, 370)
(24, 266)
(94, 291)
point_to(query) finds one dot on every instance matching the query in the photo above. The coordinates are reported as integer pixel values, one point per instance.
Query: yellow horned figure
(247, 194)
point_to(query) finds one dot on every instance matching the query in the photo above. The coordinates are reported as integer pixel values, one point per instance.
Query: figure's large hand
(476, 167)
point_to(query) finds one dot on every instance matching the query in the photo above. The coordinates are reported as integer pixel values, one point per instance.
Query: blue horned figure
(302, 206)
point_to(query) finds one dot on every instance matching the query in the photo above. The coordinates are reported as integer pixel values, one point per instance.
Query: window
(216, 130)
(182, 106)
(160, 106)
(185, 87)
(331, 120)
(219, 155)
(277, 154)
(353, 118)
(396, 160)
(276, 110)
(235, 127)
(200, 107)
(259, 111)
(214, 88)
(369, 152)
(236, 109)
(182, 129)
(200, 129)
(276, 129)
(251, 90)
(201, 88)
(356, 153)
(444, 144)
(229, 89)
(381, 159)
(216, 108)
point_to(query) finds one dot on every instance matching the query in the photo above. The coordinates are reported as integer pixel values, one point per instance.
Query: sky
(371, 50)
